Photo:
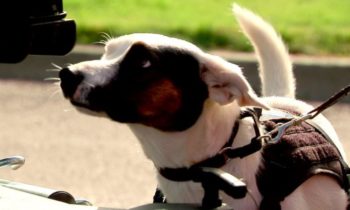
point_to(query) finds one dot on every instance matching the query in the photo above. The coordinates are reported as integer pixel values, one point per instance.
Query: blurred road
(89, 157)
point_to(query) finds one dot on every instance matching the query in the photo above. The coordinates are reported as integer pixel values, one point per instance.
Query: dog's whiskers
(100, 42)
(56, 68)
(56, 79)
(105, 38)
(53, 70)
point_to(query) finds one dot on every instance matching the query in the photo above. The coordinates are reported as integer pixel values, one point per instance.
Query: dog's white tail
(274, 62)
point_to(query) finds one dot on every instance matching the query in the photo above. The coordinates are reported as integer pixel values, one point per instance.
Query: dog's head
(154, 80)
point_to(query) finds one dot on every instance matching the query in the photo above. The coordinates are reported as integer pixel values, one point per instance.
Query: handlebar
(15, 162)
(16, 196)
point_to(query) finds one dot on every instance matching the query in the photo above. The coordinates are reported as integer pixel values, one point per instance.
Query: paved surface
(89, 157)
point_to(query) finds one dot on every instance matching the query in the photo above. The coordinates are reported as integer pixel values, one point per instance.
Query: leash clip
(310, 115)
(281, 129)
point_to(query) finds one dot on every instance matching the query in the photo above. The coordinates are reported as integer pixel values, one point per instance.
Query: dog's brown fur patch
(159, 102)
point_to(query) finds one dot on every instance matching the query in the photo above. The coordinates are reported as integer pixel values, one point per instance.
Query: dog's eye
(146, 64)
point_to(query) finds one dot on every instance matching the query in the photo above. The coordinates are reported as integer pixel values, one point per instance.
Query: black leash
(331, 101)
(275, 135)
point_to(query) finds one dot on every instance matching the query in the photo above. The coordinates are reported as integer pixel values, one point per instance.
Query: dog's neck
(182, 149)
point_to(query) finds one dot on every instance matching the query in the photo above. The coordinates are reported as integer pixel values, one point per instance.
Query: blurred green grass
(308, 26)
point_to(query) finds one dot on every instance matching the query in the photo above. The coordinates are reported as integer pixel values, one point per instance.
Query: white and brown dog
(182, 103)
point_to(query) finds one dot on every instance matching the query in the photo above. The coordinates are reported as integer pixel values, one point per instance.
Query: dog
(181, 103)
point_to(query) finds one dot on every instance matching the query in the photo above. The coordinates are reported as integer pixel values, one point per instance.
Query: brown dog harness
(302, 152)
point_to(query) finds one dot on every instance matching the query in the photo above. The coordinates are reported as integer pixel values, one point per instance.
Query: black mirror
(34, 27)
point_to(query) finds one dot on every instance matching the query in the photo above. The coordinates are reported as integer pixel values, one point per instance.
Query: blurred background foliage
(317, 27)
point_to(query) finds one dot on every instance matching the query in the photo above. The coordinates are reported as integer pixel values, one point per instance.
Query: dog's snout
(65, 73)
(69, 81)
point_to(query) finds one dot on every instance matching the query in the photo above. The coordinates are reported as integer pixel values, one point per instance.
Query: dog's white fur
(228, 91)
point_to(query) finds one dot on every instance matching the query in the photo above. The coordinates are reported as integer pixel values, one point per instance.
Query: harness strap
(225, 154)
(187, 174)
(233, 135)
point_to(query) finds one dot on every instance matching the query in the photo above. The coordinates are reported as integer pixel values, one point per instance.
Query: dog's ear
(226, 82)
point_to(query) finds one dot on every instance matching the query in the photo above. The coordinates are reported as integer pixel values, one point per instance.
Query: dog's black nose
(69, 81)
